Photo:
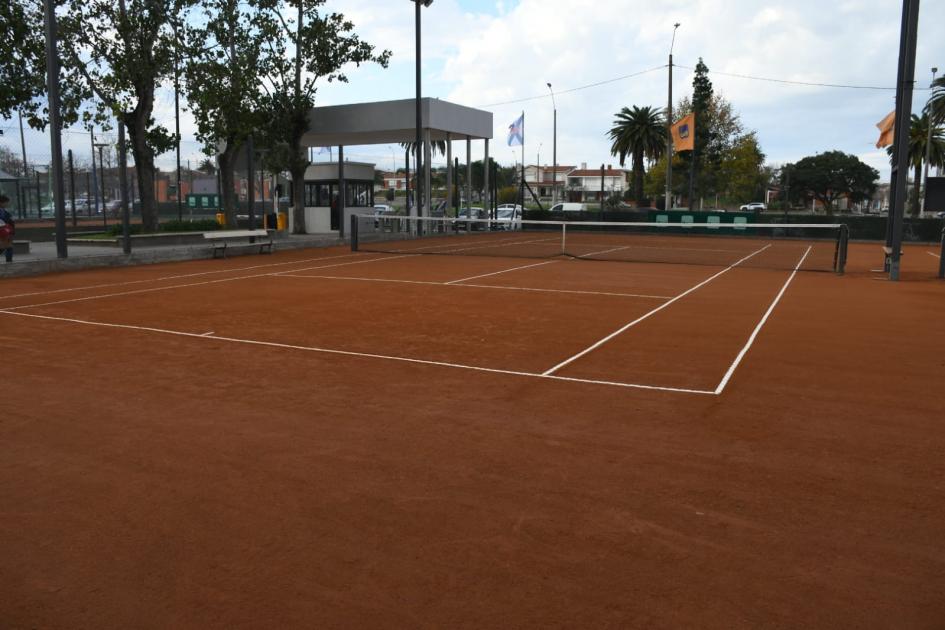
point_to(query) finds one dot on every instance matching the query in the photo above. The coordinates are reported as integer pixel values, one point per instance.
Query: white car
(754, 207)
(508, 217)
(383, 209)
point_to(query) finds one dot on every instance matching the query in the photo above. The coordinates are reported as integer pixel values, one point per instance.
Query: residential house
(586, 184)
(543, 179)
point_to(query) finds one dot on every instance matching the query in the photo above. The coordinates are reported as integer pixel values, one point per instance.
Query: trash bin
(281, 221)
(221, 219)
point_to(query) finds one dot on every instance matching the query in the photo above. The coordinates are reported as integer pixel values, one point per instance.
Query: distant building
(585, 184)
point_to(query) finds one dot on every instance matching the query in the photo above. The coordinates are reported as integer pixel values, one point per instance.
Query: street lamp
(417, 162)
(101, 172)
(928, 153)
(554, 151)
(669, 129)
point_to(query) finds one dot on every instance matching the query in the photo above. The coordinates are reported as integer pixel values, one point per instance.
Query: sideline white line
(939, 256)
(606, 251)
(177, 277)
(496, 273)
(475, 286)
(191, 284)
(207, 334)
(366, 355)
(754, 334)
(656, 310)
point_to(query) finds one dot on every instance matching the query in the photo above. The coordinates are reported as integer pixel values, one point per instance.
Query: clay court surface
(329, 439)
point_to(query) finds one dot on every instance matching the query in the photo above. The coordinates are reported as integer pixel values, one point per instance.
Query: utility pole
(554, 150)
(669, 127)
(26, 168)
(900, 173)
(94, 173)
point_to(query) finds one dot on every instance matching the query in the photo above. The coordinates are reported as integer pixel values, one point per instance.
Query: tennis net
(809, 247)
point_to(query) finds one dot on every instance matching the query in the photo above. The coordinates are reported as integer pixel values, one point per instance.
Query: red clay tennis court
(399, 437)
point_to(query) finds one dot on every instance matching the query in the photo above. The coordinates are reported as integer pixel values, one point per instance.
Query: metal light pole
(928, 155)
(180, 207)
(421, 208)
(101, 172)
(123, 190)
(669, 127)
(55, 126)
(554, 150)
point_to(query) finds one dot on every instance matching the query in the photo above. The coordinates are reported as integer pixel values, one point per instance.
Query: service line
(656, 310)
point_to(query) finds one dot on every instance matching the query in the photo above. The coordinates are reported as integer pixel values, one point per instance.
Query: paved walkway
(43, 259)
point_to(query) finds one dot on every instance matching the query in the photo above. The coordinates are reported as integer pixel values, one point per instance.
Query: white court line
(365, 355)
(177, 277)
(475, 286)
(939, 256)
(606, 251)
(496, 273)
(495, 243)
(191, 284)
(672, 248)
(207, 334)
(754, 334)
(656, 310)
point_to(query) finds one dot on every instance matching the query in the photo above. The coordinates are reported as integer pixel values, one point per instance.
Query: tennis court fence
(809, 247)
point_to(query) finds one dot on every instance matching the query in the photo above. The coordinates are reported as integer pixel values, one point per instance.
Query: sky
(485, 53)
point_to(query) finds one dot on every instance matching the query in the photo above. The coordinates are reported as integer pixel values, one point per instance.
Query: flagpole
(523, 162)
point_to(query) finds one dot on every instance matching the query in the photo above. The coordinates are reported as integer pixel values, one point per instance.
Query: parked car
(569, 207)
(508, 217)
(940, 215)
(755, 206)
(113, 206)
(383, 209)
(469, 213)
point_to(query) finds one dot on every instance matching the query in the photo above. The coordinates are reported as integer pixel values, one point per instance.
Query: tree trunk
(228, 194)
(144, 169)
(638, 177)
(298, 198)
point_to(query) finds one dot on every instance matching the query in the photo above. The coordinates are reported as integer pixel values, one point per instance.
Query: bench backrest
(234, 234)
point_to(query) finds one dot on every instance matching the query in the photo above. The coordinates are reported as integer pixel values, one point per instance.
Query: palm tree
(918, 139)
(936, 104)
(639, 132)
(437, 146)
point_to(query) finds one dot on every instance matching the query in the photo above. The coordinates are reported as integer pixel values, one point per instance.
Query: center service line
(650, 314)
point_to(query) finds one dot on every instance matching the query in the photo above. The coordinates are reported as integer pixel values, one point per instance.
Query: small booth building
(385, 122)
(323, 212)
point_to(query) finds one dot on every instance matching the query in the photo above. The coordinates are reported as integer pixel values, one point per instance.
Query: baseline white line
(656, 310)
(474, 286)
(182, 286)
(754, 334)
(496, 273)
(177, 277)
(366, 355)
(939, 256)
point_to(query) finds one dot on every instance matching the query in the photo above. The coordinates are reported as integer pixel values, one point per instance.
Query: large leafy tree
(639, 132)
(831, 175)
(222, 75)
(742, 170)
(305, 45)
(918, 142)
(121, 51)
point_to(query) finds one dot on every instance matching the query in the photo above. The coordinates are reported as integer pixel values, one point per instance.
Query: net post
(843, 240)
(564, 232)
(354, 232)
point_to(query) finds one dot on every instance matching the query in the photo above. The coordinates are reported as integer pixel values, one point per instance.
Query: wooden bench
(222, 240)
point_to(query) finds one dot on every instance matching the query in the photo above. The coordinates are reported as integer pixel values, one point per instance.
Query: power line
(579, 88)
(805, 83)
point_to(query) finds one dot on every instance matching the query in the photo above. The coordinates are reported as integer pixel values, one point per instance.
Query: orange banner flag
(684, 133)
(887, 130)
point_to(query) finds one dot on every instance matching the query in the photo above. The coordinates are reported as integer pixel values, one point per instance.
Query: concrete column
(449, 174)
(427, 188)
(341, 191)
(469, 172)
(485, 183)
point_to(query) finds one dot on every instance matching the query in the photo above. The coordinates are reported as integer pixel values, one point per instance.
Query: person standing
(7, 228)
